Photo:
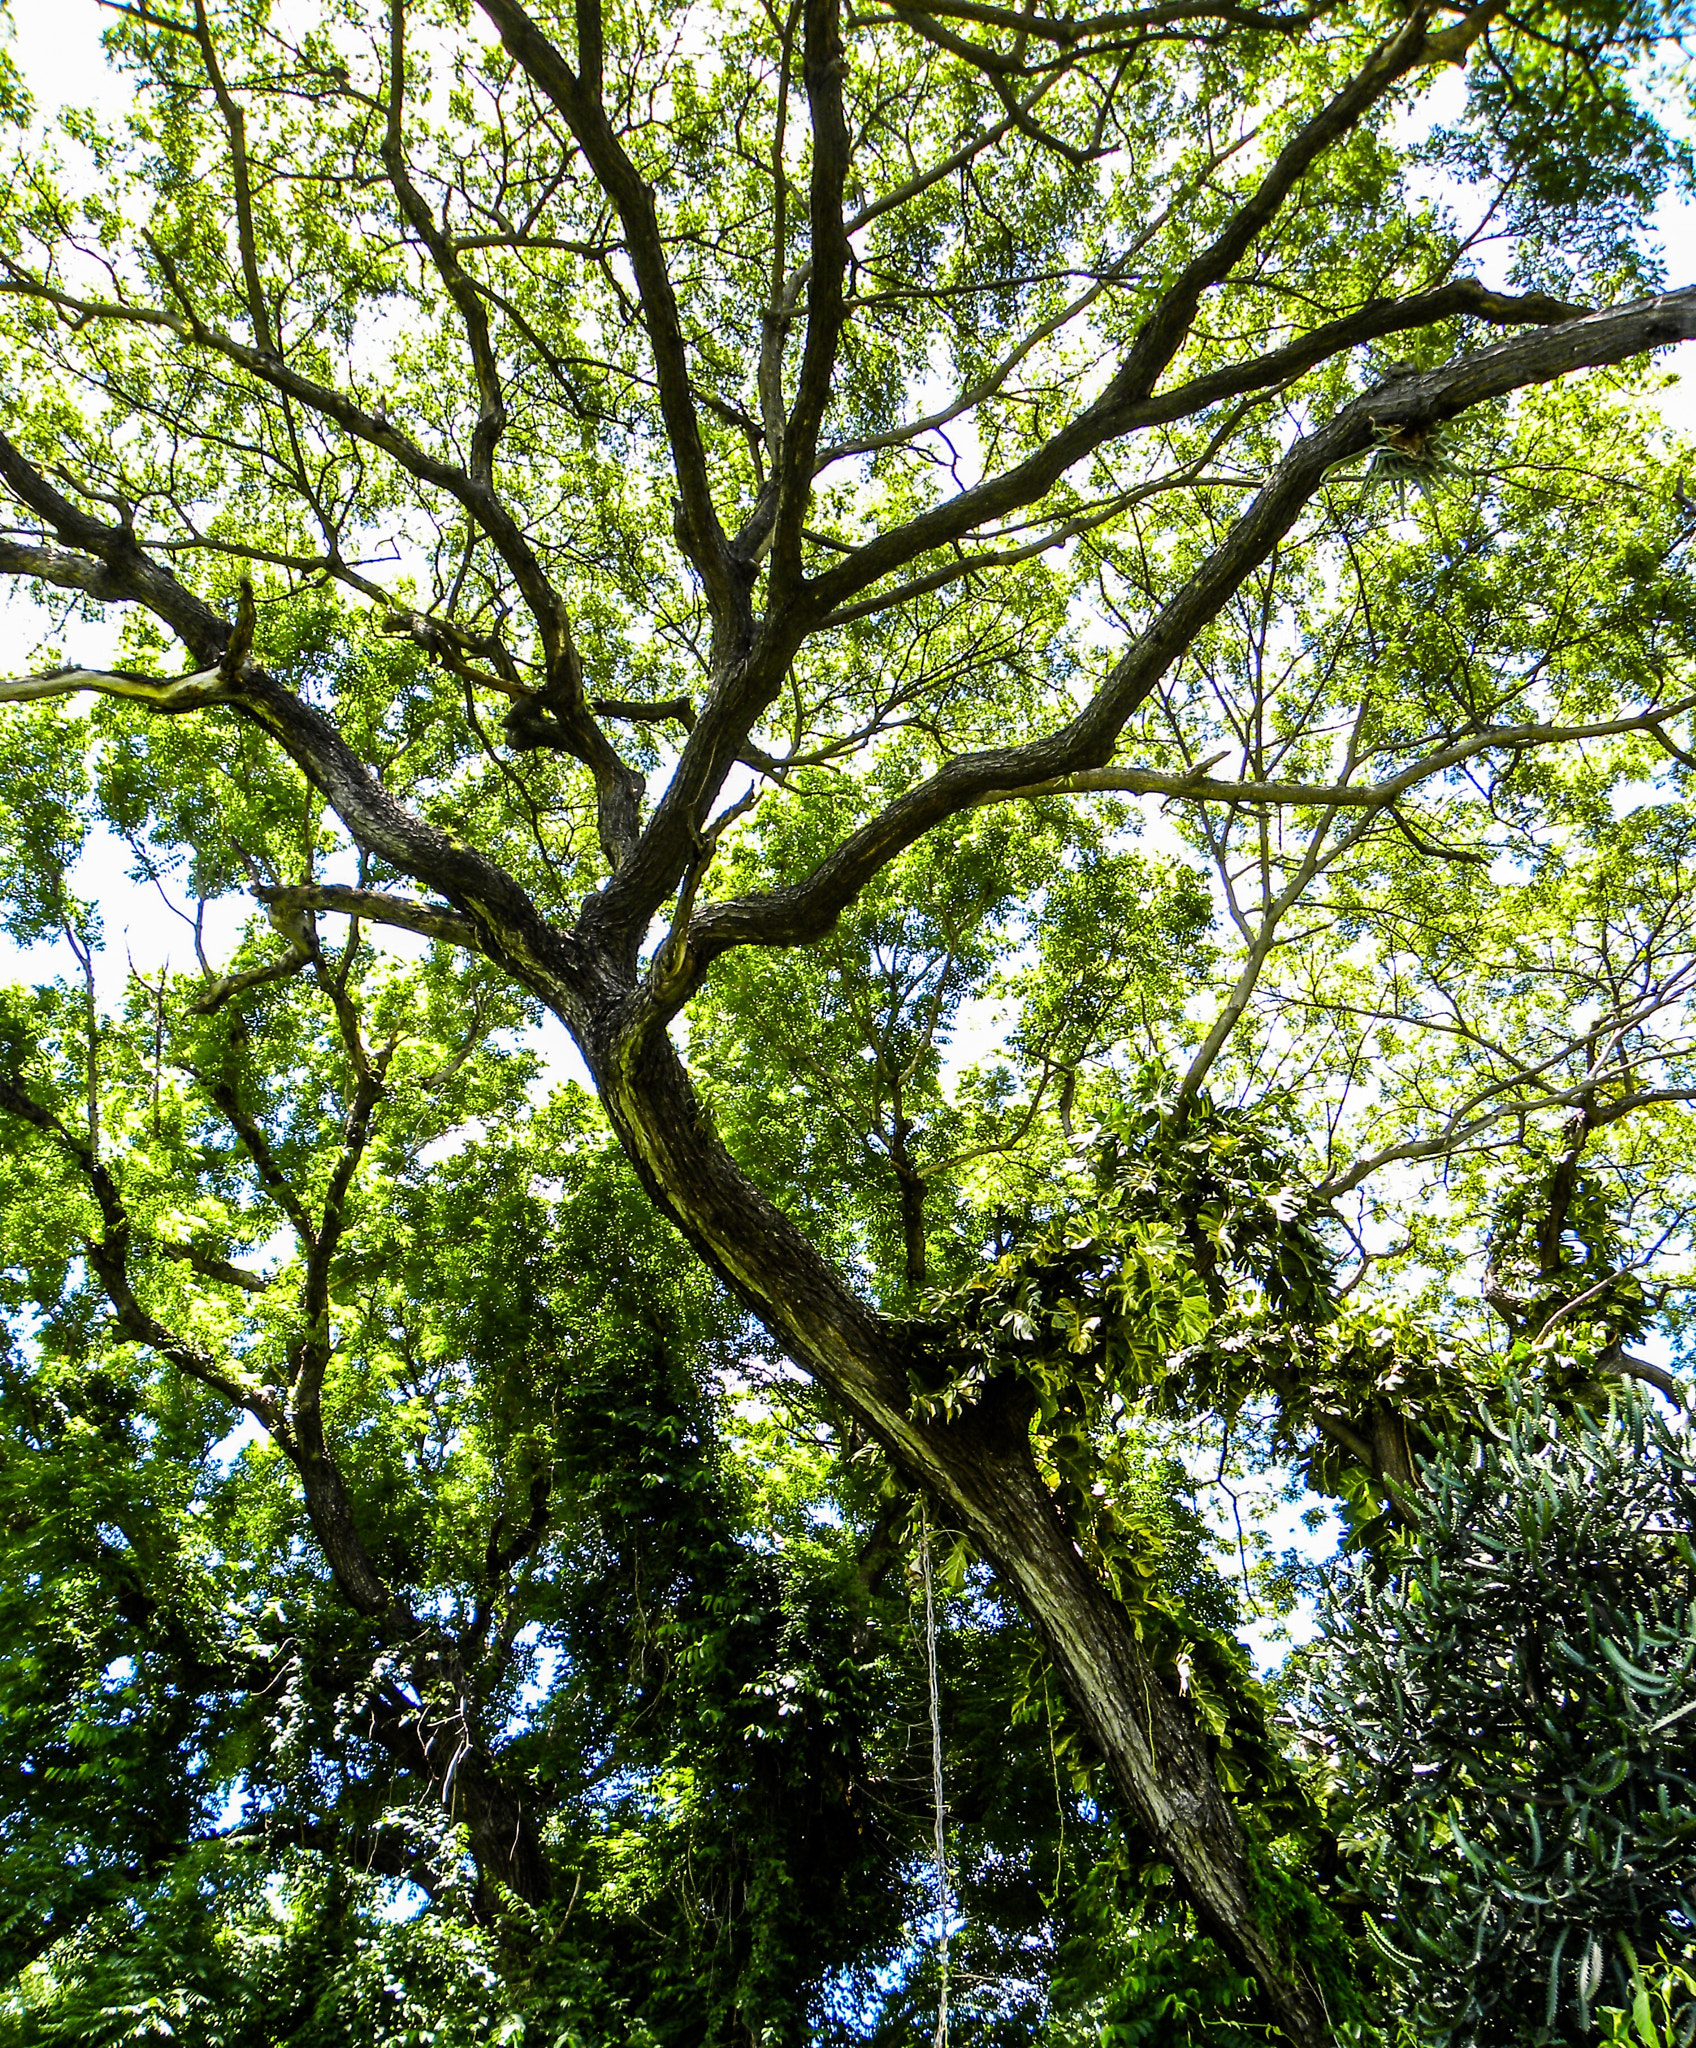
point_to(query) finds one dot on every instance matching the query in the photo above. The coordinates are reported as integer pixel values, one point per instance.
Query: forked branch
(805, 911)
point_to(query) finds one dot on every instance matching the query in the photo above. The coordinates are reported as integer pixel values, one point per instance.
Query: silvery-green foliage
(1513, 1708)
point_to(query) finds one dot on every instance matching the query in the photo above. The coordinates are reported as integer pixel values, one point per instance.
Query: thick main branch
(804, 912)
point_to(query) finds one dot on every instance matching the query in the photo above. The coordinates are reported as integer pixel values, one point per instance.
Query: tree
(1530, 1812)
(869, 462)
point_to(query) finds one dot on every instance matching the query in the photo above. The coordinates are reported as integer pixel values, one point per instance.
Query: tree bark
(437, 1746)
(982, 1466)
(911, 1186)
(434, 1737)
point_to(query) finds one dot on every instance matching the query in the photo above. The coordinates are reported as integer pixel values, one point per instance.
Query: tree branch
(118, 568)
(808, 909)
(1462, 1127)
(507, 924)
(210, 1267)
(108, 1259)
(376, 430)
(1164, 331)
(235, 126)
(579, 103)
(429, 920)
(1198, 788)
(491, 417)
(313, 1350)
(560, 716)
(823, 64)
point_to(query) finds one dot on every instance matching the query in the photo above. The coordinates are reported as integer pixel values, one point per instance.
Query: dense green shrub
(1513, 1708)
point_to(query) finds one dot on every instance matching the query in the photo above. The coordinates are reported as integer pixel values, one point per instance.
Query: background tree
(850, 425)
(1512, 1711)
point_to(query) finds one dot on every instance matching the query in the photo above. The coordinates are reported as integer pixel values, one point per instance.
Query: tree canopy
(1062, 643)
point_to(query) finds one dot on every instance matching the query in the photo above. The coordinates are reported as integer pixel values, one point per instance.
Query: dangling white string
(940, 2038)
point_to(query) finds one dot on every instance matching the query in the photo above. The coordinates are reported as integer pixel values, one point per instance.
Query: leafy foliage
(231, 1948)
(1510, 1705)
(821, 553)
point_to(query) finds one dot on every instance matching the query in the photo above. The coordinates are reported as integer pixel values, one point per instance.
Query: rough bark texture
(982, 1466)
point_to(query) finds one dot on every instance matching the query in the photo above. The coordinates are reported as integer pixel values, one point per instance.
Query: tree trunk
(983, 1467)
(501, 1824)
(435, 1737)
